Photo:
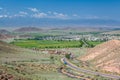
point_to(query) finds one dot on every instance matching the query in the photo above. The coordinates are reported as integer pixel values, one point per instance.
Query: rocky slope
(8, 48)
(105, 56)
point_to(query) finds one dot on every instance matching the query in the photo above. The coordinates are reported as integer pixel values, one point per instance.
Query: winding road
(72, 66)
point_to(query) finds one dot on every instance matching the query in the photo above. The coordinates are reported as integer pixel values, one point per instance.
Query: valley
(37, 55)
(59, 39)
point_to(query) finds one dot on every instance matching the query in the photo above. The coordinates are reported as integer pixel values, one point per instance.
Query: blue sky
(64, 9)
(59, 13)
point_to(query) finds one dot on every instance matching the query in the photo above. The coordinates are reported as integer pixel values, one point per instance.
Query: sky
(60, 9)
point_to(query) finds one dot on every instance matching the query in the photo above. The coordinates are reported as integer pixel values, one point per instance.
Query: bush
(67, 56)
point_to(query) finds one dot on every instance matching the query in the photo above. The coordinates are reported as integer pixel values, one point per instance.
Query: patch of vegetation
(47, 43)
(94, 43)
(53, 43)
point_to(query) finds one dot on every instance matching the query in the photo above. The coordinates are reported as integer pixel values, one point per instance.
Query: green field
(46, 44)
(51, 43)
(94, 43)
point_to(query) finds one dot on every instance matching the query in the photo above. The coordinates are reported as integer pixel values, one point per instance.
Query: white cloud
(40, 15)
(75, 15)
(36, 14)
(59, 15)
(33, 9)
(23, 13)
(50, 15)
(20, 14)
(55, 13)
(4, 16)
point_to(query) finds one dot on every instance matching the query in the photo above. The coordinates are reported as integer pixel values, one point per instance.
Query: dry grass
(105, 56)
(24, 64)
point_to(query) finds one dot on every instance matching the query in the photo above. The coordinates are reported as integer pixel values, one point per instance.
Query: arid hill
(28, 29)
(6, 37)
(4, 34)
(3, 31)
(9, 55)
(105, 56)
(8, 48)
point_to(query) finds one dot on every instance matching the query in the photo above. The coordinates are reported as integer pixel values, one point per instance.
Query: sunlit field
(52, 43)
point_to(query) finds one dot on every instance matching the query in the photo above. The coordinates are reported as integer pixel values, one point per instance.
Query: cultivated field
(52, 43)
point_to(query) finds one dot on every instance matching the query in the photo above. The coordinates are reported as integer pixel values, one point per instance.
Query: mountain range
(46, 22)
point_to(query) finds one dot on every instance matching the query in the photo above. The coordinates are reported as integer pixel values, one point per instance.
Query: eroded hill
(105, 56)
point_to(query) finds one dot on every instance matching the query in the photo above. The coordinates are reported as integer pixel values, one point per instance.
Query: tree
(67, 56)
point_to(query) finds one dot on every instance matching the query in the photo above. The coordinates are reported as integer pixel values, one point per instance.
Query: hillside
(4, 34)
(27, 29)
(3, 31)
(25, 64)
(6, 37)
(112, 32)
(8, 48)
(105, 56)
